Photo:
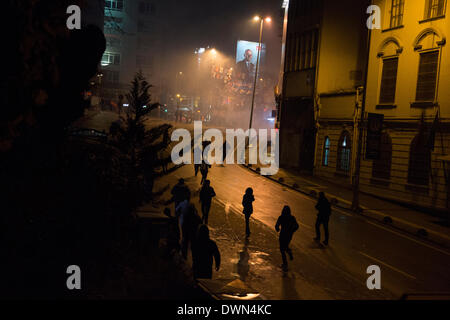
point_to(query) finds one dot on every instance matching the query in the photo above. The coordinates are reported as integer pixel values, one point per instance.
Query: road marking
(394, 232)
(389, 266)
(409, 238)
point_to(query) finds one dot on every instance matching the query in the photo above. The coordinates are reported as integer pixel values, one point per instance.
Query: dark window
(146, 8)
(344, 152)
(114, 4)
(426, 81)
(397, 13)
(434, 8)
(419, 160)
(306, 52)
(381, 168)
(326, 151)
(111, 76)
(388, 80)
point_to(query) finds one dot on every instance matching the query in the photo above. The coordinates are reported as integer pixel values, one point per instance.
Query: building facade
(408, 76)
(296, 117)
(133, 43)
(323, 68)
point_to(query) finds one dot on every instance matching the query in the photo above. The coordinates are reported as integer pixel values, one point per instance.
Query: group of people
(195, 230)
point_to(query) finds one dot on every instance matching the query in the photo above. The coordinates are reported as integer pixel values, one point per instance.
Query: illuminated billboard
(246, 58)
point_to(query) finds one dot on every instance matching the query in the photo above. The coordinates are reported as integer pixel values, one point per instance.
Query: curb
(396, 223)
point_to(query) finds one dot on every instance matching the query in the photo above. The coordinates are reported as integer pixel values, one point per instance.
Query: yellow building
(409, 76)
(408, 82)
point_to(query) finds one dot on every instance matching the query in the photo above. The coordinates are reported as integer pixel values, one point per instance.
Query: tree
(141, 145)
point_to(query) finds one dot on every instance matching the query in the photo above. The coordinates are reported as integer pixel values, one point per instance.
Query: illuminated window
(110, 58)
(426, 80)
(388, 80)
(397, 7)
(326, 151)
(344, 152)
(434, 8)
(114, 4)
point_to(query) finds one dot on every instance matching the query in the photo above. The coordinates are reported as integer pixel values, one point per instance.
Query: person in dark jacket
(288, 225)
(173, 233)
(190, 222)
(206, 195)
(203, 253)
(323, 207)
(204, 171)
(247, 203)
(180, 192)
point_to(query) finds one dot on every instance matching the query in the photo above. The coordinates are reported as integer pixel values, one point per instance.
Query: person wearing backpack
(323, 207)
(288, 225)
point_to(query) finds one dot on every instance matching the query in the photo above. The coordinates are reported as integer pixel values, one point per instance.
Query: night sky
(220, 23)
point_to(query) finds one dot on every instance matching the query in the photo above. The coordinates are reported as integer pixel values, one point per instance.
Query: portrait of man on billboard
(245, 68)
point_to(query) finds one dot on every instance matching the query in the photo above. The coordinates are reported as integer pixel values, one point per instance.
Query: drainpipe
(356, 177)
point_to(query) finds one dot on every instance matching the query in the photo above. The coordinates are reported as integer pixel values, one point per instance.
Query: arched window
(429, 45)
(381, 168)
(326, 151)
(419, 160)
(344, 152)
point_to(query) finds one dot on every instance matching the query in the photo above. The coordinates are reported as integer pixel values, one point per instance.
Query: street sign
(373, 140)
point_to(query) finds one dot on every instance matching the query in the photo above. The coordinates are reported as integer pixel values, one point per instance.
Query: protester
(288, 225)
(203, 253)
(180, 192)
(204, 171)
(206, 195)
(189, 226)
(173, 233)
(247, 203)
(324, 211)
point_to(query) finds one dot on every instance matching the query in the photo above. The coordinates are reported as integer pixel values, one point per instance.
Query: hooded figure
(288, 225)
(247, 203)
(190, 222)
(203, 253)
(206, 194)
(323, 216)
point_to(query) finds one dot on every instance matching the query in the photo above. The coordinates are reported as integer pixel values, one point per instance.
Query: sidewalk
(414, 222)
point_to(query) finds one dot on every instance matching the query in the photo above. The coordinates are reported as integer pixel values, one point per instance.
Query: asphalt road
(317, 272)
(338, 271)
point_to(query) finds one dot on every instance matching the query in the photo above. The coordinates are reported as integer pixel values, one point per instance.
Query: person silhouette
(288, 225)
(189, 225)
(323, 207)
(180, 192)
(173, 234)
(247, 203)
(203, 253)
(206, 195)
(204, 171)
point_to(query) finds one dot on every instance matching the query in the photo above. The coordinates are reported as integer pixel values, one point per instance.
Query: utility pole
(256, 71)
(356, 176)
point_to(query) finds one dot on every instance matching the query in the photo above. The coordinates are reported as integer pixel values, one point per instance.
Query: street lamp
(261, 19)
